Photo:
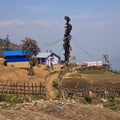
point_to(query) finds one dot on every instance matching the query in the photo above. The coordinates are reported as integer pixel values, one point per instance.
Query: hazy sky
(96, 25)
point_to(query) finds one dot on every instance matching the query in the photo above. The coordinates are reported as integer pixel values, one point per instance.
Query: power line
(88, 54)
(53, 42)
(50, 43)
(60, 51)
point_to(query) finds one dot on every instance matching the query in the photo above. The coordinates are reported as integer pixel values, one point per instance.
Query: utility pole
(67, 38)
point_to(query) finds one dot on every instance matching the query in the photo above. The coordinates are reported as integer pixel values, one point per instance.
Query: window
(43, 59)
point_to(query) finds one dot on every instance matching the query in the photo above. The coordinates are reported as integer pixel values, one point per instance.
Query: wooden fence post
(3, 89)
(16, 89)
(13, 88)
(32, 89)
(24, 88)
(40, 89)
(28, 88)
(35, 89)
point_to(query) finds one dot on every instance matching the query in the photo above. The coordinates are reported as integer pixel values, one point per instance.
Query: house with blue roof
(16, 56)
(48, 58)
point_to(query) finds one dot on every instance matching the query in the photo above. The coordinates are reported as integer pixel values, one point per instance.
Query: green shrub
(88, 99)
(34, 60)
(35, 97)
(10, 100)
(16, 99)
(7, 105)
(2, 97)
(112, 98)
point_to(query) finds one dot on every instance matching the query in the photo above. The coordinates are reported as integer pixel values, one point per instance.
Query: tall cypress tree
(67, 38)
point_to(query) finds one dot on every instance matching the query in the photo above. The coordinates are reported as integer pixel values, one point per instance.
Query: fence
(38, 89)
(23, 89)
(96, 92)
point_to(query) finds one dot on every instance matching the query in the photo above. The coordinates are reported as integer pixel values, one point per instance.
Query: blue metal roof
(14, 53)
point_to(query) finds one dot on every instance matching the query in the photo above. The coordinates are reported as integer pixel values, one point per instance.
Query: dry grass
(20, 65)
(56, 110)
(61, 111)
(97, 79)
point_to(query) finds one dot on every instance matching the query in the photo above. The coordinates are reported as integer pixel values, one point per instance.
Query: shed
(16, 56)
(48, 58)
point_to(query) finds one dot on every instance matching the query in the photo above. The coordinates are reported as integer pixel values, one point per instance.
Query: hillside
(54, 109)
(72, 78)
(17, 74)
(104, 78)
(57, 110)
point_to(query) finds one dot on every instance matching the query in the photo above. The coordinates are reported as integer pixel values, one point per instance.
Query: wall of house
(17, 59)
(47, 60)
(41, 60)
(54, 59)
(95, 63)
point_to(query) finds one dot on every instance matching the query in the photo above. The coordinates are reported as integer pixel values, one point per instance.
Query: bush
(35, 97)
(88, 99)
(2, 97)
(10, 100)
(34, 60)
(112, 98)
(6, 106)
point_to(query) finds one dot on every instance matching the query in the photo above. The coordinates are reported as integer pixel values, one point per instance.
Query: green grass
(116, 106)
(6, 105)
(92, 72)
(102, 76)
(75, 75)
(6, 101)
(34, 97)
(97, 77)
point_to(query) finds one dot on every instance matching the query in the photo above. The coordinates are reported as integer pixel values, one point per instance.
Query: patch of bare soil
(57, 110)
(21, 75)
(105, 79)
(13, 74)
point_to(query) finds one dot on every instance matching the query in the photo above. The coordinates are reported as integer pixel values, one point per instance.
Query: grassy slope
(96, 78)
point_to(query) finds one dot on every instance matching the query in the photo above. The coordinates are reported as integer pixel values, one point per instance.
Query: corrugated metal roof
(17, 53)
(14, 53)
(43, 55)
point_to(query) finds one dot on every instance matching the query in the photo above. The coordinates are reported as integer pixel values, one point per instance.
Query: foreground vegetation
(7, 101)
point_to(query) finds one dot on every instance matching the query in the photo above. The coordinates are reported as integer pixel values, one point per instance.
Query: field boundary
(96, 92)
(23, 89)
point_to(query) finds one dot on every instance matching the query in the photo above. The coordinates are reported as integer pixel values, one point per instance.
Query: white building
(94, 63)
